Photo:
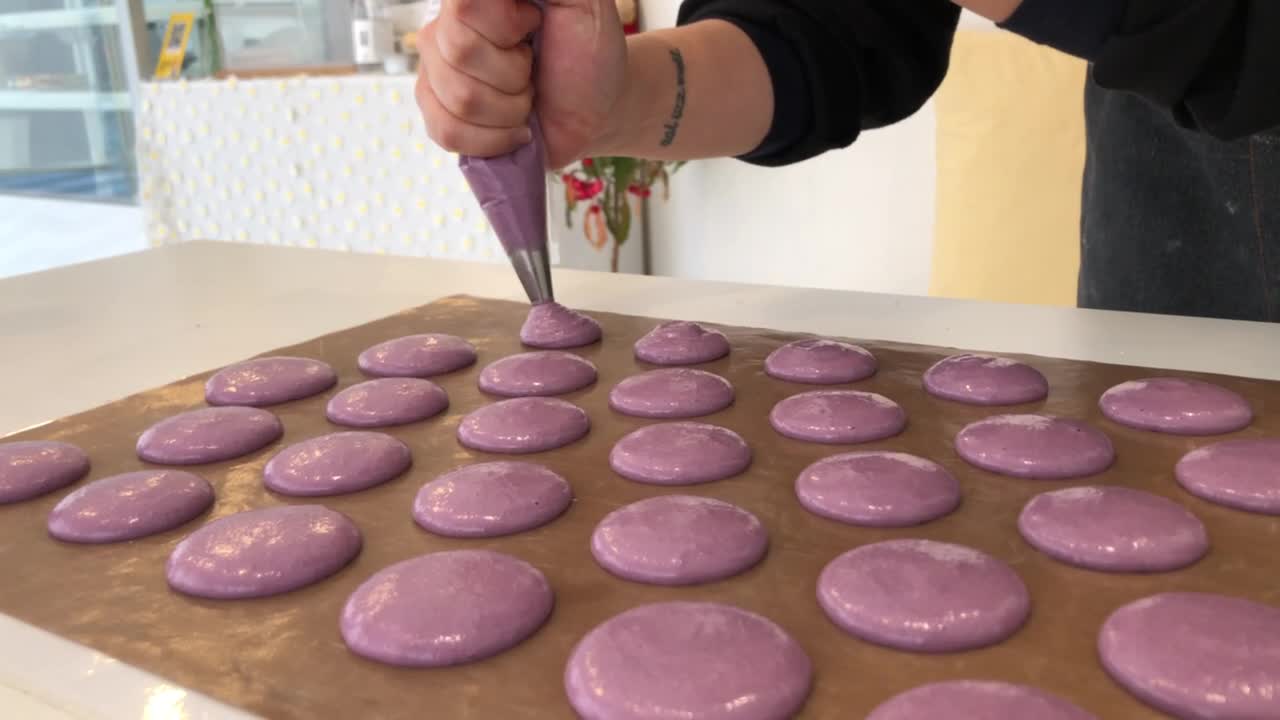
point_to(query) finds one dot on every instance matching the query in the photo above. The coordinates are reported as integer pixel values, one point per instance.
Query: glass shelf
(53, 19)
(66, 126)
(88, 101)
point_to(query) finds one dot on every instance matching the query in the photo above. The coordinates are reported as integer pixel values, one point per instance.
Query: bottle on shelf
(372, 40)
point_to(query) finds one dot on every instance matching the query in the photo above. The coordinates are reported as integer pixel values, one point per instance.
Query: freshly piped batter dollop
(552, 326)
(681, 343)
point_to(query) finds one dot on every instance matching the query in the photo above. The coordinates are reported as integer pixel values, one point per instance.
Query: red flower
(595, 210)
(640, 191)
(583, 190)
(588, 162)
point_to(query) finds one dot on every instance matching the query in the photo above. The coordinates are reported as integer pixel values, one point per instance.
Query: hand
(476, 85)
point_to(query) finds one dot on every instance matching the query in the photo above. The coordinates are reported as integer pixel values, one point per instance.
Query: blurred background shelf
(68, 75)
(71, 17)
(73, 100)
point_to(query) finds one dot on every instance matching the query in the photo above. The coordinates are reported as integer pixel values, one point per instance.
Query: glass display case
(67, 73)
(270, 34)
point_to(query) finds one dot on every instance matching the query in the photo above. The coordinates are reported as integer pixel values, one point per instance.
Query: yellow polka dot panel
(334, 162)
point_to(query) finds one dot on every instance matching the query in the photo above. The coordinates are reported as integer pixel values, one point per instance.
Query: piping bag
(512, 191)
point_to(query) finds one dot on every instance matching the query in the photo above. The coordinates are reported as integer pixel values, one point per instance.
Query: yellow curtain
(1010, 160)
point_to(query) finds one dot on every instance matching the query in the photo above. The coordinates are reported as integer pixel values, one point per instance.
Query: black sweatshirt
(839, 67)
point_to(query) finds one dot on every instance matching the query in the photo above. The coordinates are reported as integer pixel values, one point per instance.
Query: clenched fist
(477, 82)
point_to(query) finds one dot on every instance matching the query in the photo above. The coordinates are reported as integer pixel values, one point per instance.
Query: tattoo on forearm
(671, 126)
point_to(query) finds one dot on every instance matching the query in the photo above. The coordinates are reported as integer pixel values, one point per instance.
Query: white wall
(38, 234)
(859, 219)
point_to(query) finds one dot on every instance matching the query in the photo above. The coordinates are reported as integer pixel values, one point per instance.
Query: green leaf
(624, 222)
(624, 169)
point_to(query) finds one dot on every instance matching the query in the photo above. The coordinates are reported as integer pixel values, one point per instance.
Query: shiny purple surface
(696, 660)
(418, 356)
(512, 191)
(671, 393)
(821, 362)
(31, 468)
(1242, 474)
(975, 700)
(878, 489)
(337, 463)
(1035, 446)
(1177, 406)
(491, 499)
(130, 506)
(985, 380)
(523, 425)
(209, 435)
(679, 540)
(680, 453)
(543, 373)
(263, 552)
(1196, 655)
(446, 608)
(838, 417)
(552, 326)
(681, 343)
(385, 402)
(923, 596)
(1114, 529)
(269, 381)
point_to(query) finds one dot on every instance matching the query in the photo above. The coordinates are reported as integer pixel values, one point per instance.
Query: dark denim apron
(1174, 221)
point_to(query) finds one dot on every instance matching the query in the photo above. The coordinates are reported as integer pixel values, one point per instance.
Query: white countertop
(99, 331)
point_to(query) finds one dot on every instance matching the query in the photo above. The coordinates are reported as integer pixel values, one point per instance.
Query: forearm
(691, 92)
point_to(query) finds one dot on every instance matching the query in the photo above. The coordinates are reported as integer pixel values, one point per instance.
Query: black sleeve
(838, 67)
(1213, 63)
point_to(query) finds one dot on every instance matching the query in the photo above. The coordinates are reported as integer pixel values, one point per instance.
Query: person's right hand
(476, 85)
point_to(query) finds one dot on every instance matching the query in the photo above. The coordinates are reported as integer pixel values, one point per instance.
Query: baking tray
(282, 657)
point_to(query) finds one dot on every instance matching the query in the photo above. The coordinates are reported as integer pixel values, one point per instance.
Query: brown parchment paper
(282, 657)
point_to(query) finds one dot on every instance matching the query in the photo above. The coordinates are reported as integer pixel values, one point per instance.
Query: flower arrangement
(607, 184)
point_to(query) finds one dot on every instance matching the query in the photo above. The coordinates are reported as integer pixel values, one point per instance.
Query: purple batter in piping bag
(512, 191)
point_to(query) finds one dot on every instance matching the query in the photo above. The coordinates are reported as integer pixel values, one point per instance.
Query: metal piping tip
(533, 267)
